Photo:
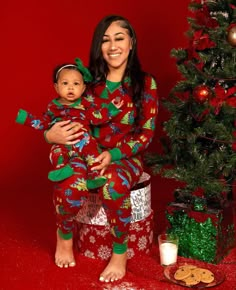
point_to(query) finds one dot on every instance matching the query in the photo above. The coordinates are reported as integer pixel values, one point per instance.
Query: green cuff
(21, 116)
(119, 248)
(67, 236)
(61, 173)
(115, 154)
(113, 110)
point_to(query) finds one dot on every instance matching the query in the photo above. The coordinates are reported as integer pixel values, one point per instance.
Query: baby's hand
(117, 102)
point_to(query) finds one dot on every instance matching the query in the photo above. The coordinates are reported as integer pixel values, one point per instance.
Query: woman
(116, 69)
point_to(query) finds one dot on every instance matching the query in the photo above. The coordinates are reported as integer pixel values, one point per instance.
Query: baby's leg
(89, 150)
(59, 157)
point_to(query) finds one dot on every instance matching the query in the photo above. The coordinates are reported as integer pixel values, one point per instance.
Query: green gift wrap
(203, 235)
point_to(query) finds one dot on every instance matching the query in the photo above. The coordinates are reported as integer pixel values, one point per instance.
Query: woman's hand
(105, 159)
(64, 132)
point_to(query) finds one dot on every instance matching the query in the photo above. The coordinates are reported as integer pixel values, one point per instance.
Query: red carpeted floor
(27, 250)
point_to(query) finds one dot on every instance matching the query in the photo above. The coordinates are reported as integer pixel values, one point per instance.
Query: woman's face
(116, 46)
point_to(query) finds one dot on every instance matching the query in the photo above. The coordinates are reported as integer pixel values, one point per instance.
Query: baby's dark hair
(78, 65)
(57, 70)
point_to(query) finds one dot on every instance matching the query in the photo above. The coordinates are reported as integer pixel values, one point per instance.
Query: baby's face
(70, 86)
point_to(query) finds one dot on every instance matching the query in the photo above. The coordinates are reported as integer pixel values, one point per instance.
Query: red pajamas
(126, 168)
(69, 196)
(83, 111)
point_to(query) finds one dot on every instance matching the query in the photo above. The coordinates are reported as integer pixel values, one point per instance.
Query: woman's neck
(115, 75)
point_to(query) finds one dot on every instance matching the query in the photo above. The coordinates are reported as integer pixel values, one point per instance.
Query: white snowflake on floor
(89, 254)
(104, 252)
(122, 286)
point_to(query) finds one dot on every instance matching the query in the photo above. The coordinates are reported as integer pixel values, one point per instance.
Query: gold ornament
(231, 36)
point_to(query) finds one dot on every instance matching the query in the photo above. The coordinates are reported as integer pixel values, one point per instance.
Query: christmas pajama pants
(70, 194)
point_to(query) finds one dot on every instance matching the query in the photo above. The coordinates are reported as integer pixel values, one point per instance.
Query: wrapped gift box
(204, 235)
(93, 212)
(95, 241)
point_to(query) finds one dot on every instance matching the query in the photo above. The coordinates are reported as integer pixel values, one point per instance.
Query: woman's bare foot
(115, 269)
(64, 256)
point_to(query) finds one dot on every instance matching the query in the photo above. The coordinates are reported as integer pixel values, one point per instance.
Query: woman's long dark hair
(98, 66)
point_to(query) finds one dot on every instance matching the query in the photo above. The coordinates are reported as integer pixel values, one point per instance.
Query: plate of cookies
(194, 275)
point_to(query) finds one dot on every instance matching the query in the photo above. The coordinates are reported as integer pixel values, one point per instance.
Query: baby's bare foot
(64, 256)
(115, 269)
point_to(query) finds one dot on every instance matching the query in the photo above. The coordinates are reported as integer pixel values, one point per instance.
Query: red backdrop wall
(41, 34)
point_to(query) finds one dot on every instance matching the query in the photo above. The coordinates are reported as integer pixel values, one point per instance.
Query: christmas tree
(200, 144)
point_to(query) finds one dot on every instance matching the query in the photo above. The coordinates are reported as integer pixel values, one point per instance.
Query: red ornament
(234, 146)
(202, 93)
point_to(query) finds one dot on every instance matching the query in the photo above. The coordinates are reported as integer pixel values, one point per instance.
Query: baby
(73, 104)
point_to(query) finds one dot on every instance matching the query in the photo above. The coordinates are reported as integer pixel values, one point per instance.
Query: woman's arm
(64, 132)
(135, 143)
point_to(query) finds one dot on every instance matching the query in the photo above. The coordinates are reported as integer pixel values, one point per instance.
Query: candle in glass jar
(168, 253)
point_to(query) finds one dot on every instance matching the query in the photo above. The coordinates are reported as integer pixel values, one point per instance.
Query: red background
(37, 36)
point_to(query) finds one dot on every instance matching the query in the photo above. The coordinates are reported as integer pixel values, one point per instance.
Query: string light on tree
(202, 93)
